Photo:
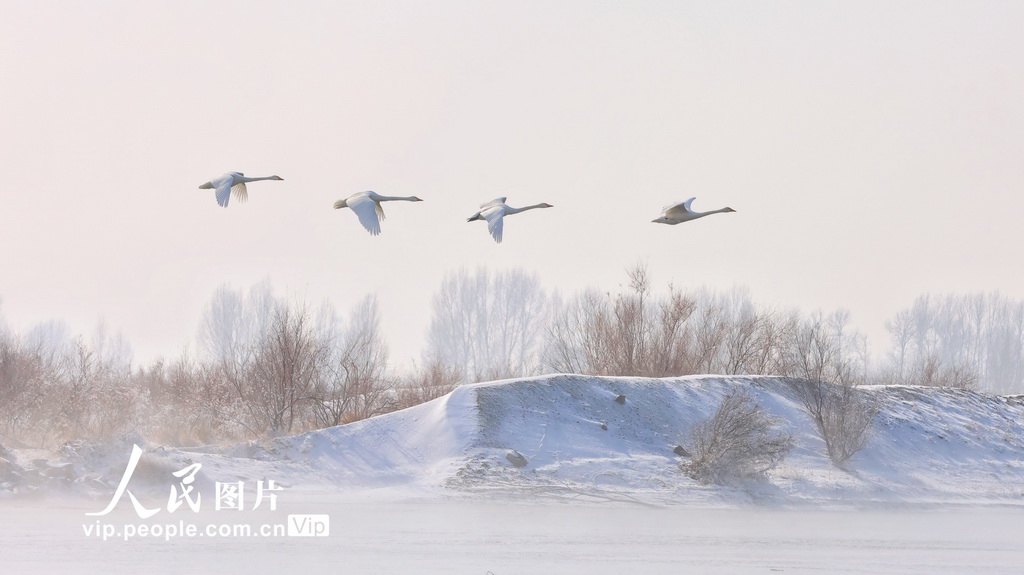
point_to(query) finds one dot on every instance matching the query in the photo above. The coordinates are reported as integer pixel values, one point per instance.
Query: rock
(61, 470)
(515, 458)
(604, 426)
(620, 399)
(681, 451)
(9, 471)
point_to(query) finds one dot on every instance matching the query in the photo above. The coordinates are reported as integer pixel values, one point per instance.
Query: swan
(232, 182)
(494, 213)
(366, 205)
(681, 212)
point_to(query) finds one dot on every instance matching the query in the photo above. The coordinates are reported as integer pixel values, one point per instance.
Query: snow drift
(613, 438)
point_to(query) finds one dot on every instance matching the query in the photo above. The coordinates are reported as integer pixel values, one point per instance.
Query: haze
(872, 151)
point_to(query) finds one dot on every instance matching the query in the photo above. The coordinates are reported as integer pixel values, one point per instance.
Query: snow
(928, 445)
(439, 536)
(938, 488)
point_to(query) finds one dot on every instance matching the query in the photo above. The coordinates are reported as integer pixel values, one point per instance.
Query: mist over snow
(927, 445)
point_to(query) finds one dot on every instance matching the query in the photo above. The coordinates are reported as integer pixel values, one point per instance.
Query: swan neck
(523, 209)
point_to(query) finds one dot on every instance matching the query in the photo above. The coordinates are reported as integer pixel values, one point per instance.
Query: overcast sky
(874, 151)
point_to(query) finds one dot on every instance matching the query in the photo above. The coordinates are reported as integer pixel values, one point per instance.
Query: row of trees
(265, 365)
(974, 340)
(488, 326)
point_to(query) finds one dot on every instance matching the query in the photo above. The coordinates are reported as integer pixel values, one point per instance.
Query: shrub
(841, 413)
(738, 441)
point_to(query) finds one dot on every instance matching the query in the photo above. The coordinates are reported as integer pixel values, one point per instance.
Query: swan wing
(494, 202)
(240, 192)
(495, 222)
(682, 209)
(223, 190)
(367, 210)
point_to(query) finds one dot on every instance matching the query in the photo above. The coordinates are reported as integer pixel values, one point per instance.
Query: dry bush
(636, 333)
(738, 441)
(432, 382)
(22, 393)
(841, 413)
(627, 333)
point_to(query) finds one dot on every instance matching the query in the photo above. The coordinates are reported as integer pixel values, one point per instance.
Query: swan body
(494, 212)
(681, 212)
(366, 205)
(232, 182)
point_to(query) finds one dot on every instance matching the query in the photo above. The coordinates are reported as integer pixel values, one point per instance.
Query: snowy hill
(580, 442)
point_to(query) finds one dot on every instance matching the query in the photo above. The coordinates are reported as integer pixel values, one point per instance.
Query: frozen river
(437, 536)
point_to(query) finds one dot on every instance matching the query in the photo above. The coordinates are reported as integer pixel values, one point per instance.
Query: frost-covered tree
(487, 325)
(974, 340)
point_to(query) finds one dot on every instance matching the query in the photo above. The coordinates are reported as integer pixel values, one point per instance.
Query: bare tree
(284, 370)
(22, 387)
(431, 382)
(630, 332)
(974, 340)
(268, 353)
(820, 348)
(710, 330)
(233, 322)
(842, 415)
(488, 326)
(354, 384)
(671, 340)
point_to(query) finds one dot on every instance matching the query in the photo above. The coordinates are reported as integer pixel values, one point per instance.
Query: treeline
(266, 366)
(489, 326)
(269, 366)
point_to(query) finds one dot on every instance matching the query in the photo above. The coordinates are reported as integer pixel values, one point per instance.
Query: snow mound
(614, 438)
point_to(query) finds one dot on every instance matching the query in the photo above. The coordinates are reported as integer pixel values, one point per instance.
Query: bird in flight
(681, 212)
(494, 212)
(366, 205)
(232, 182)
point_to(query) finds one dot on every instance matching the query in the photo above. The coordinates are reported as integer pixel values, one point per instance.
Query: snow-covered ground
(939, 488)
(503, 538)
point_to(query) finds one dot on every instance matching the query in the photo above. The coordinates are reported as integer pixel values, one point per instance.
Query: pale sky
(874, 151)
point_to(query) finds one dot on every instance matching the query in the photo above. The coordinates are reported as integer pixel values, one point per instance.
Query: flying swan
(366, 205)
(232, 182)
(679, 213)
(494, 213)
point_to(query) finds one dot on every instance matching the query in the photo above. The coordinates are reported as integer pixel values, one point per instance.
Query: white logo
(230, 495)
